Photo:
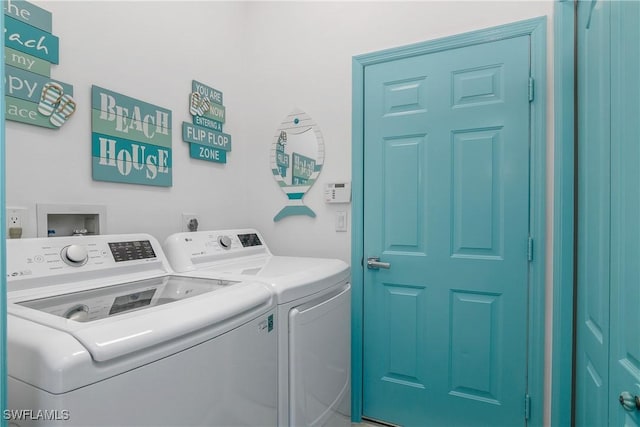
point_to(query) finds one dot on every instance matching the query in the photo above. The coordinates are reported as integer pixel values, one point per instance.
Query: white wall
(267, 58)
(150, 51)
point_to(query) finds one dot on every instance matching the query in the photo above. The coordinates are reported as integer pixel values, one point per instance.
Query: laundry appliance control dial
(225, 242)
(74, 255)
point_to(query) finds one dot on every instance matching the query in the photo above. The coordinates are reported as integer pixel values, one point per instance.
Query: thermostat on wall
(337, 192)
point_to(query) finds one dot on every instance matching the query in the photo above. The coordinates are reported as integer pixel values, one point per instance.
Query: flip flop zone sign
(204, 135)
(31, 96)
(130, 140)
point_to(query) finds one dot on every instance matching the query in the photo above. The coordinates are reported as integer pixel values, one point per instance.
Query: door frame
(563, 312)
(536, 29)
(3, 258)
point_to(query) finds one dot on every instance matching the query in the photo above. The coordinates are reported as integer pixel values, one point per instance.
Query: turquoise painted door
(446, 204)
(625, 214)
(608, 346)
(592, 325)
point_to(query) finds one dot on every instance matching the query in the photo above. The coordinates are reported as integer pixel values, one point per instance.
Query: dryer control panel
(188, 249)
(80, 258)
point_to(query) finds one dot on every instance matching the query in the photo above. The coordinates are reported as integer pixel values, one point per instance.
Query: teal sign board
(131, 140)
(198, 135)
(29, 14)
(30, 40)
(207, 123)
(27, 62)
(216, 112)
(121, 160)
(31, 96)
(28, 86)
(282, 158)
(207, 152)
(205, 135)
(303, 168)
(205, 91)
(120, 115)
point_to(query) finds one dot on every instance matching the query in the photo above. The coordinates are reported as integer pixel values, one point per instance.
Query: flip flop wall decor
(32, 97)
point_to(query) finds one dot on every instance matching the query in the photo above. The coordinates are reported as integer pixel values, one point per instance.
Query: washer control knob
(225, 242)
(78, 313)
(75, 255)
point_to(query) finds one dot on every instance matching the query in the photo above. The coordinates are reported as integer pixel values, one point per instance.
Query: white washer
(100, 333)
(313, 317)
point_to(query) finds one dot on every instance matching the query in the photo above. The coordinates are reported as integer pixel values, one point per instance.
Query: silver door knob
(374, 263)
(629, 402)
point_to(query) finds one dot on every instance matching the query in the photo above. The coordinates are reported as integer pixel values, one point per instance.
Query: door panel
(625, 210)
(608, 346)
(475, 351)
(403, 209)
(476, 194)
(592, 356)
(447, 205)
(405, 311)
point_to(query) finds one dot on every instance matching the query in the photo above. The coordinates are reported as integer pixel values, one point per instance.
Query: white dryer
(313, 317)
(100, 333)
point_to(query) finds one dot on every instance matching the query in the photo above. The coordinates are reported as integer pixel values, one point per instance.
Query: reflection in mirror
(297, 155)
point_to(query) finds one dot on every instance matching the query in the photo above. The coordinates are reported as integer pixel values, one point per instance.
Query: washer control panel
(75, 255)
(42, 257)
(132, 250)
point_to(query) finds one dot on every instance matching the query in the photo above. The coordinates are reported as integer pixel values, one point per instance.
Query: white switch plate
(341, 221)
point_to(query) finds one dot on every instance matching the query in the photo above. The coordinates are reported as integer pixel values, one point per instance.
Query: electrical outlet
(190, 222)
(16, 219)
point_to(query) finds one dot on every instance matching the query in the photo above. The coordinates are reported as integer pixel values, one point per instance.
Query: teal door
(608, 252)
(625, 215)
(446, 206)
(592, 322)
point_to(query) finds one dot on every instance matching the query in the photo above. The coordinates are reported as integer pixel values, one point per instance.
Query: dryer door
(320, 361)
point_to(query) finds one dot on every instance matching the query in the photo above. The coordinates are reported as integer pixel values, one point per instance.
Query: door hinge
(527, 406)
(531, 89)
(530, 249)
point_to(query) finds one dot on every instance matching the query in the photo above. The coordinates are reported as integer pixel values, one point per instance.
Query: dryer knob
(225, 241)
(75, 255)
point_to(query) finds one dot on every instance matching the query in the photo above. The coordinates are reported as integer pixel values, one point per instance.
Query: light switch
(341, 221)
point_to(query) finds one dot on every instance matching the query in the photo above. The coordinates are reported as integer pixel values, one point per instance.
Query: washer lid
(95, 304)
(117, 320)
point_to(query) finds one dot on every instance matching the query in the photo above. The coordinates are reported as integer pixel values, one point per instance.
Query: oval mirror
(297, 155)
